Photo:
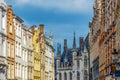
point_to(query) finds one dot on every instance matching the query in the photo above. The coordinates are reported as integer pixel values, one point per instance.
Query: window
(70, 75)
(30, 41)
(16, 48)
(24, 39)
(26, 73)
(78, 75)
(65, 76)
(10, 28)
(66, 62)
(92, 30)
(3, 21)
(23, 54)
(19, 31)
(12, 51)
(78, 64)
(19, 49)
(85, 61)
(85, 72)
(8, 49)
(60, 76)
(3, 48)
(8, 71)
(16, 31)
(23, 72)
(17, 69)
(12, 71)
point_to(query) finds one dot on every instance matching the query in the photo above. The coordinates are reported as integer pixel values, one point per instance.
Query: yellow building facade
(36, 51)
(39, 52)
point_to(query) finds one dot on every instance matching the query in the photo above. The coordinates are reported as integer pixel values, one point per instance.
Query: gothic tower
(74, 41)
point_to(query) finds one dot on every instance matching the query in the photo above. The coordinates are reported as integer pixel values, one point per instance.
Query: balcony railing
(78, 57)
(65, 68)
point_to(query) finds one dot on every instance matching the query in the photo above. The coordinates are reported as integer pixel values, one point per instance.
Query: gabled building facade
(18, 46)
(104, 40)
(10, 44)
(36, 51)
(49, 58)
(72, 64)
(30, 54)
(24, 53)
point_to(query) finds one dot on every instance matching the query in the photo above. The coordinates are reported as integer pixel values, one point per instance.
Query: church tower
(74, 49)
(74, 41)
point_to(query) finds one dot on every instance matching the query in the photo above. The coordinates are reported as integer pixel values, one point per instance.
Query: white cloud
(62, 5)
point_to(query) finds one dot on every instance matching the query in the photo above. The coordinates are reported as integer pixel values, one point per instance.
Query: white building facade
(49, 58)
(30, 55)
(24, 63)
(3, 40)
(72, 64)
(18, 46)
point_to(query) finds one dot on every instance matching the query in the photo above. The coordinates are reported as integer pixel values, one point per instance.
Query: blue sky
(61, 17)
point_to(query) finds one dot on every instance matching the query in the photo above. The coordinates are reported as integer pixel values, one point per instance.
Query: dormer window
(78, 64)
(65, 62)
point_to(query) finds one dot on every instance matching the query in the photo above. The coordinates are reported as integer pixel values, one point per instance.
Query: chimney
(81, 43)
(58, 49)
(65, 44)
(41, 28)
(33, 28)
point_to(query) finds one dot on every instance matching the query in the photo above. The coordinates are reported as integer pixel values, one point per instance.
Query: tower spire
(65, 45)
(74, 41)
(58, 49)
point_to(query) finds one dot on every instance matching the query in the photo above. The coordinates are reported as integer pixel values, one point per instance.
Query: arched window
(65, 62)
(85, 72)
(78, 64)
(60, 76)
(70, 75)
(85, 61)
(78, 75)
(65, 76)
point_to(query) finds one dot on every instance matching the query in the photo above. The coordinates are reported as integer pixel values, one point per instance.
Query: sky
(61, 17)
